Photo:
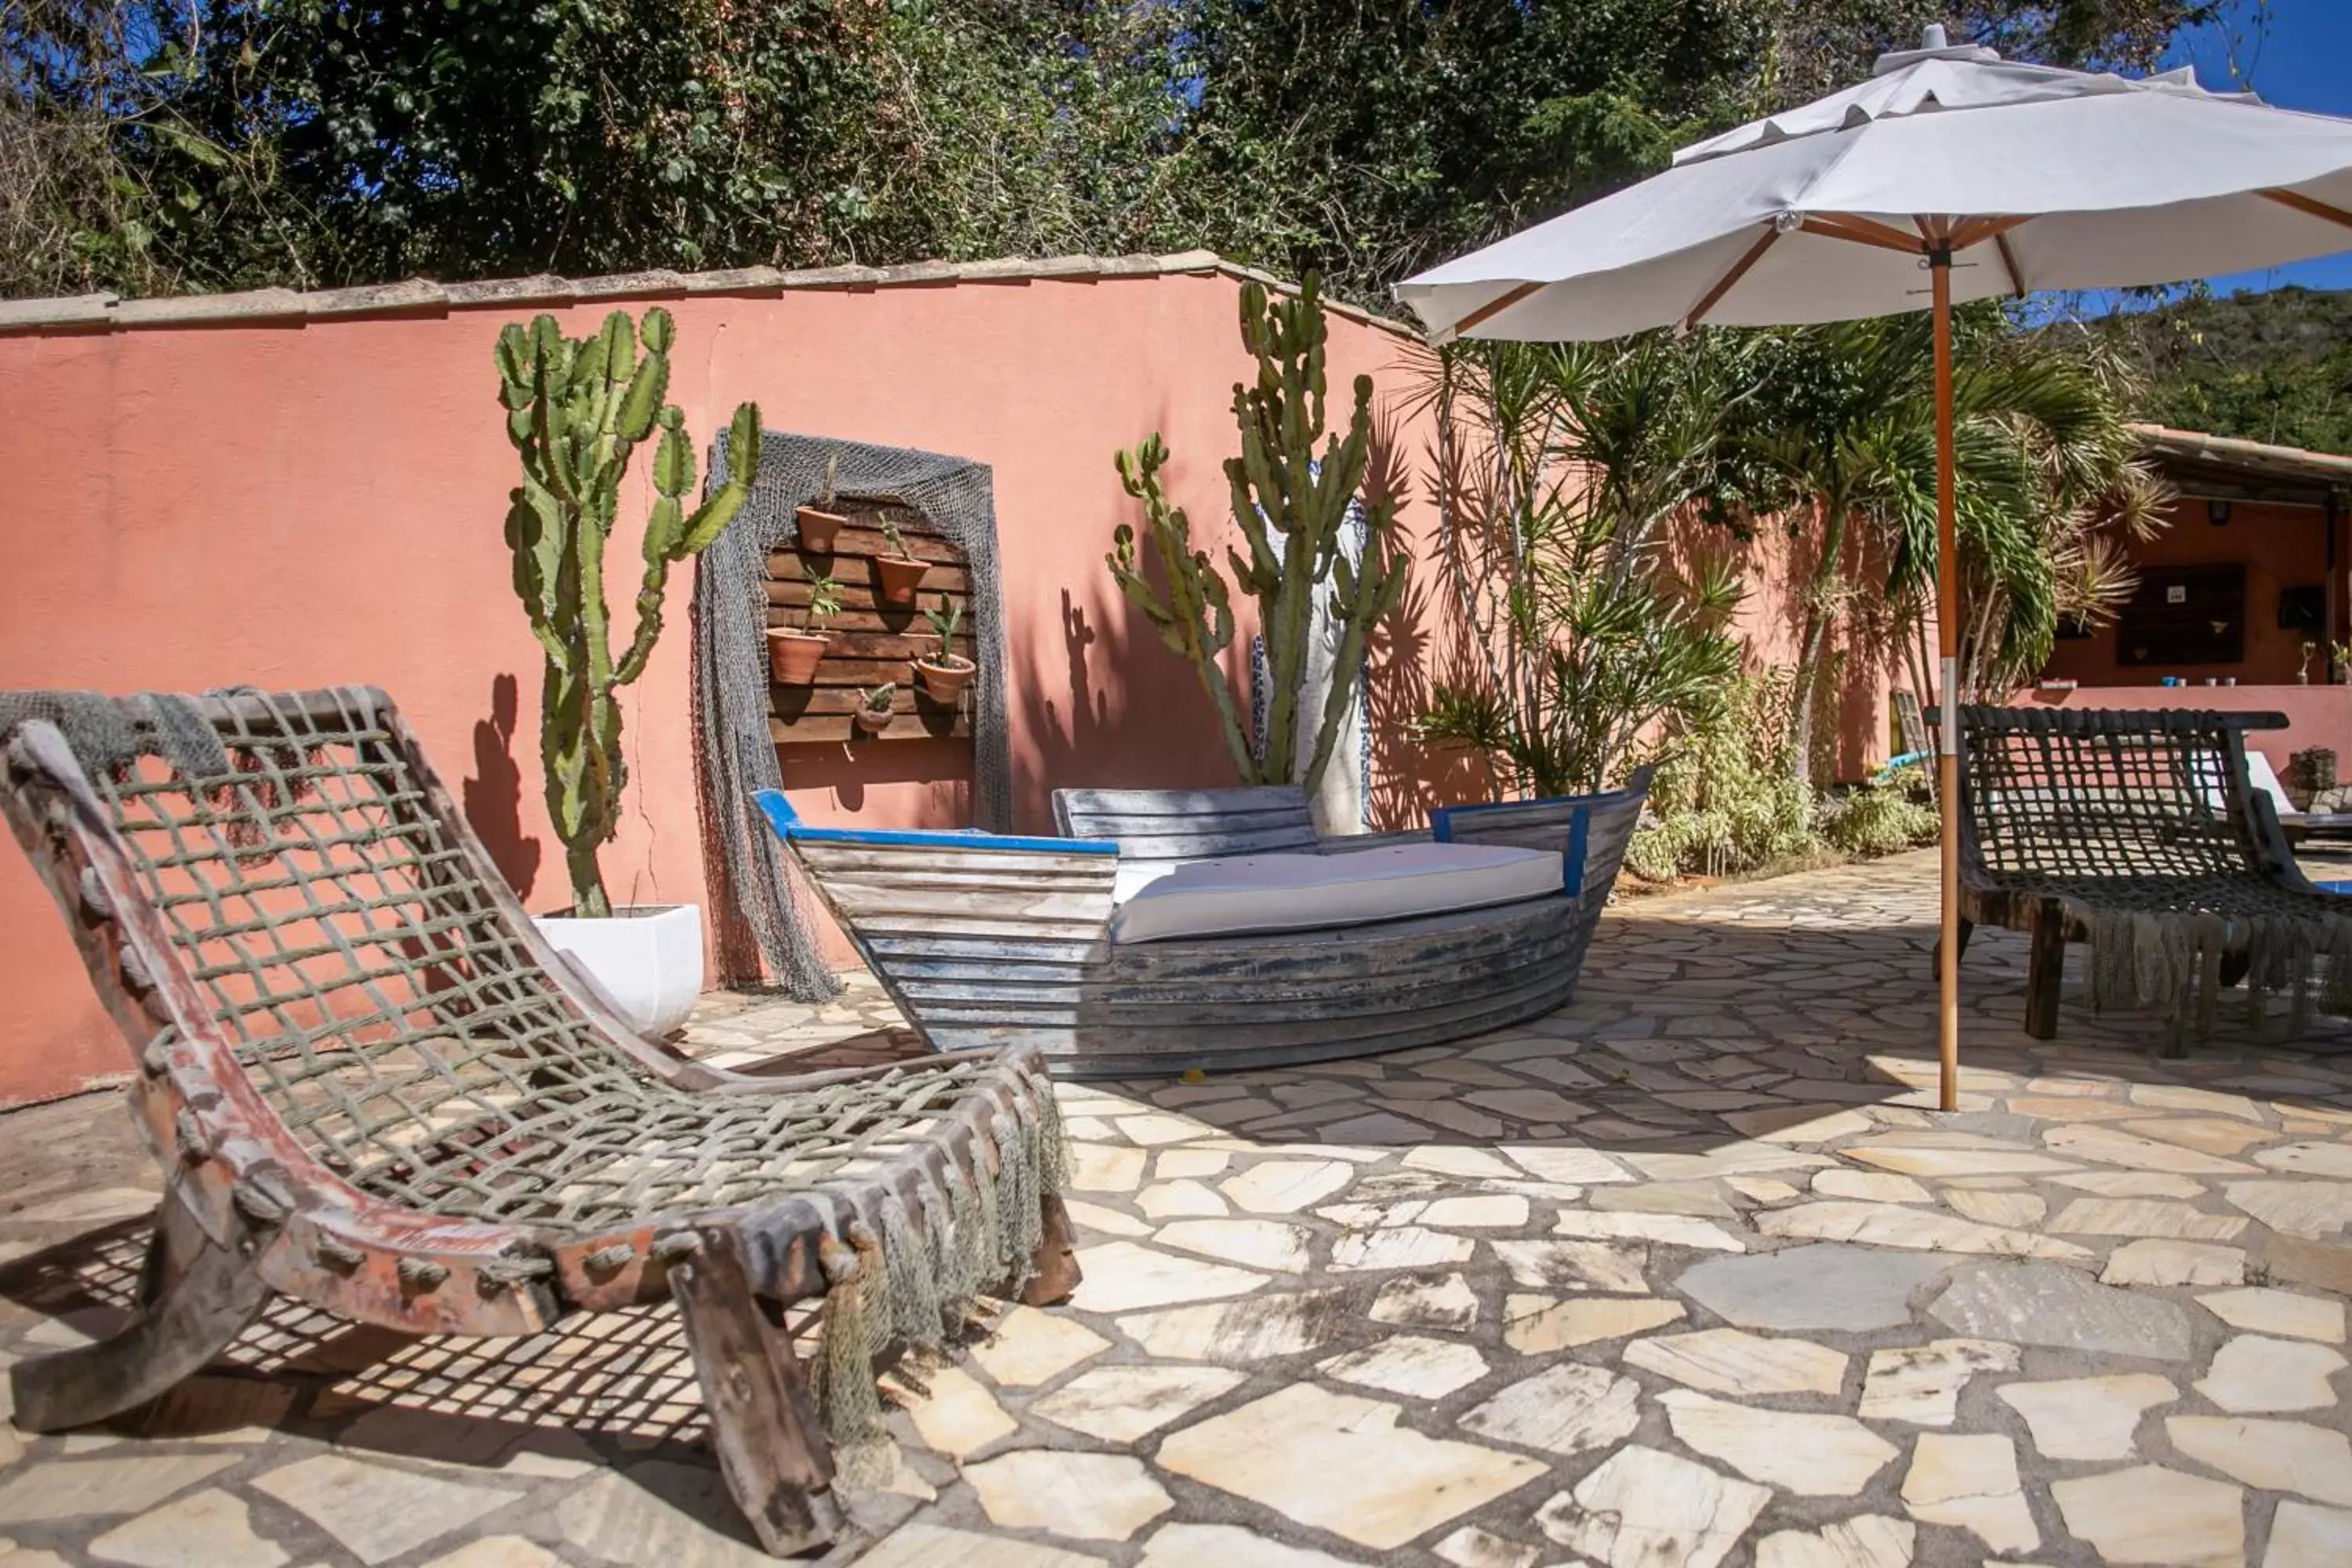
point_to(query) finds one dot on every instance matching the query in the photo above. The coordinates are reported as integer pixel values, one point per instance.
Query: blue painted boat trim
(1580, 832)
(790, 828)
(1580, 826)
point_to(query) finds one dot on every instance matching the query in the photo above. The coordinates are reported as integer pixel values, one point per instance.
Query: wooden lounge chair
(987, 940)
(371, 1088)
(2127, 829)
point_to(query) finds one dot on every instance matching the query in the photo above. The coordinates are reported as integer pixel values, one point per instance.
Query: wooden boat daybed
(1117, 948)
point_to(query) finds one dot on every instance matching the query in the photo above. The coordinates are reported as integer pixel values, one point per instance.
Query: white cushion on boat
(1310, 892)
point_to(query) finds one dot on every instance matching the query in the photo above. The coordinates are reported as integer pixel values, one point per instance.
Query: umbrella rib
(1977, 230)
(2009, 265)
(1496, 306)
(2309, 205)
(1862, 231)
(1723, 285)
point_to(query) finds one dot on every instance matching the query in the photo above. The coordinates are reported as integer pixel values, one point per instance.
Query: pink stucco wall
(2315, 715)
(2280, 546)
(290, 504)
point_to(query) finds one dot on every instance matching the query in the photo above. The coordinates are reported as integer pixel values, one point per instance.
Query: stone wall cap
(545, 290)
(63, 310)
(181, 310)
(374, 299)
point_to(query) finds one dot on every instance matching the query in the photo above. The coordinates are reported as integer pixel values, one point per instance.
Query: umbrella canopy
(1997, 177)
(2081, 181)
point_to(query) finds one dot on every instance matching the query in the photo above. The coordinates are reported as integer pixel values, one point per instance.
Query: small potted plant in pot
(817, 523)
(873, 715)
(946, 672)
(897, 573)
(793, 653)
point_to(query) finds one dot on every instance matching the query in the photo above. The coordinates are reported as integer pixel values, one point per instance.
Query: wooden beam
(2311, 205)
(1977, 230)
(1723, 285)
(1862, 231)
(1494, 308)
(2009, 265)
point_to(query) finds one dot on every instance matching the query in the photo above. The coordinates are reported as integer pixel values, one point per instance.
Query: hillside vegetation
(2274, 366)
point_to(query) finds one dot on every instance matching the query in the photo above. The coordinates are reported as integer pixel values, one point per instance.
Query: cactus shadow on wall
(1070, 735)
(493, 792)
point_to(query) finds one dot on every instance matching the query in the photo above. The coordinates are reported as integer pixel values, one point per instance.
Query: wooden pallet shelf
(872, 642)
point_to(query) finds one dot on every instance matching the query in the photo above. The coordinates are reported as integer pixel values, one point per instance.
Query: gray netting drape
(957, 498)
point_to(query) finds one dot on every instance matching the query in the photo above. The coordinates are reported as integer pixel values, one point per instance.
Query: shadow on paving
(1676, 1012)
(598, 1392)
(1688, 1012)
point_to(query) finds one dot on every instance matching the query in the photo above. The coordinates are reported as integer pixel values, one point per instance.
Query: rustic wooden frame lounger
(372, 1088)
(986, 940)
(2070, 815)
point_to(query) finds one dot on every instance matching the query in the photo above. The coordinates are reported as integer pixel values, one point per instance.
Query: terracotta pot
(817, 529)
(944, 682)
(792, 657)
(870, 723)
(897, 578)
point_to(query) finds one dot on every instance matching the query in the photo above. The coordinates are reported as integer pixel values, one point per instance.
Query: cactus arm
(1358, 606)
(1196, 618)
(671, 536)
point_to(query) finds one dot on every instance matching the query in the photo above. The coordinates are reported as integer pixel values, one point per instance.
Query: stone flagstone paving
(1684, 1275)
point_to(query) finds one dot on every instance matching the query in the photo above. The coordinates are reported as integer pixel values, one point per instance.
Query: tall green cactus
(1289, 502)
(576, 410)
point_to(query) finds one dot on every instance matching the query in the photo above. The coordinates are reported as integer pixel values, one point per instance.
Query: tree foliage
(1839, 441)
(147, 145)
(2274, 366)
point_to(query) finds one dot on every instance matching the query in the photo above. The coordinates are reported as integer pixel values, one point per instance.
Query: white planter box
(645, 963)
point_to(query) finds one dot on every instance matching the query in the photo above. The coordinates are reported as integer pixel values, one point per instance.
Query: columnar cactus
(1290, 502)
(576, 410)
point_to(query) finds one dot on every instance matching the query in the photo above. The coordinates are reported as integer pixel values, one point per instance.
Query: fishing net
(753, 880)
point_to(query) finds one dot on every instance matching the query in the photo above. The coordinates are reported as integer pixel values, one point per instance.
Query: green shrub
(1725, 801)
(1884, 816)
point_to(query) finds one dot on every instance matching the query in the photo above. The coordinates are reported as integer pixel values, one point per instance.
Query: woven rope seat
(2139, 834)
(375, 1089)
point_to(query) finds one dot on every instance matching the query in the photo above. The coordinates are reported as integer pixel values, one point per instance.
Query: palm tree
(1844, 425)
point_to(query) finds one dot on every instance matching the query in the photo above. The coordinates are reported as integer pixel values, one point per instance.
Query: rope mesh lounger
(2139, 834)
(374, 1089)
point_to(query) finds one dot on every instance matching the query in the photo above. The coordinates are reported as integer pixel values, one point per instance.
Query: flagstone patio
(1686, 1274)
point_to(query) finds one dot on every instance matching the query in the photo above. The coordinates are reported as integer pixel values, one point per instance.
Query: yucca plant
(1559, 469)
(1841, 436)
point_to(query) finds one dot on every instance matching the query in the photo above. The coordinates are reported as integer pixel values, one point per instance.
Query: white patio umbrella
(1991, 177)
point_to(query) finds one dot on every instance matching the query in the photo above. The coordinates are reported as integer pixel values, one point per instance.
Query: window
(2185, 615)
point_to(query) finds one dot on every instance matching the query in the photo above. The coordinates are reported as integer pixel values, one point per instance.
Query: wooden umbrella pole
(1947, 638)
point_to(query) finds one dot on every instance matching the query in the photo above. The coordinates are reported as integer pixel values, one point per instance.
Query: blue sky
(2302, 60)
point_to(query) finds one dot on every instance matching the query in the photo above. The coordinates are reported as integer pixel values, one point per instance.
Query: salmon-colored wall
(2315, 715)
(2280, 546)
(288, 505)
